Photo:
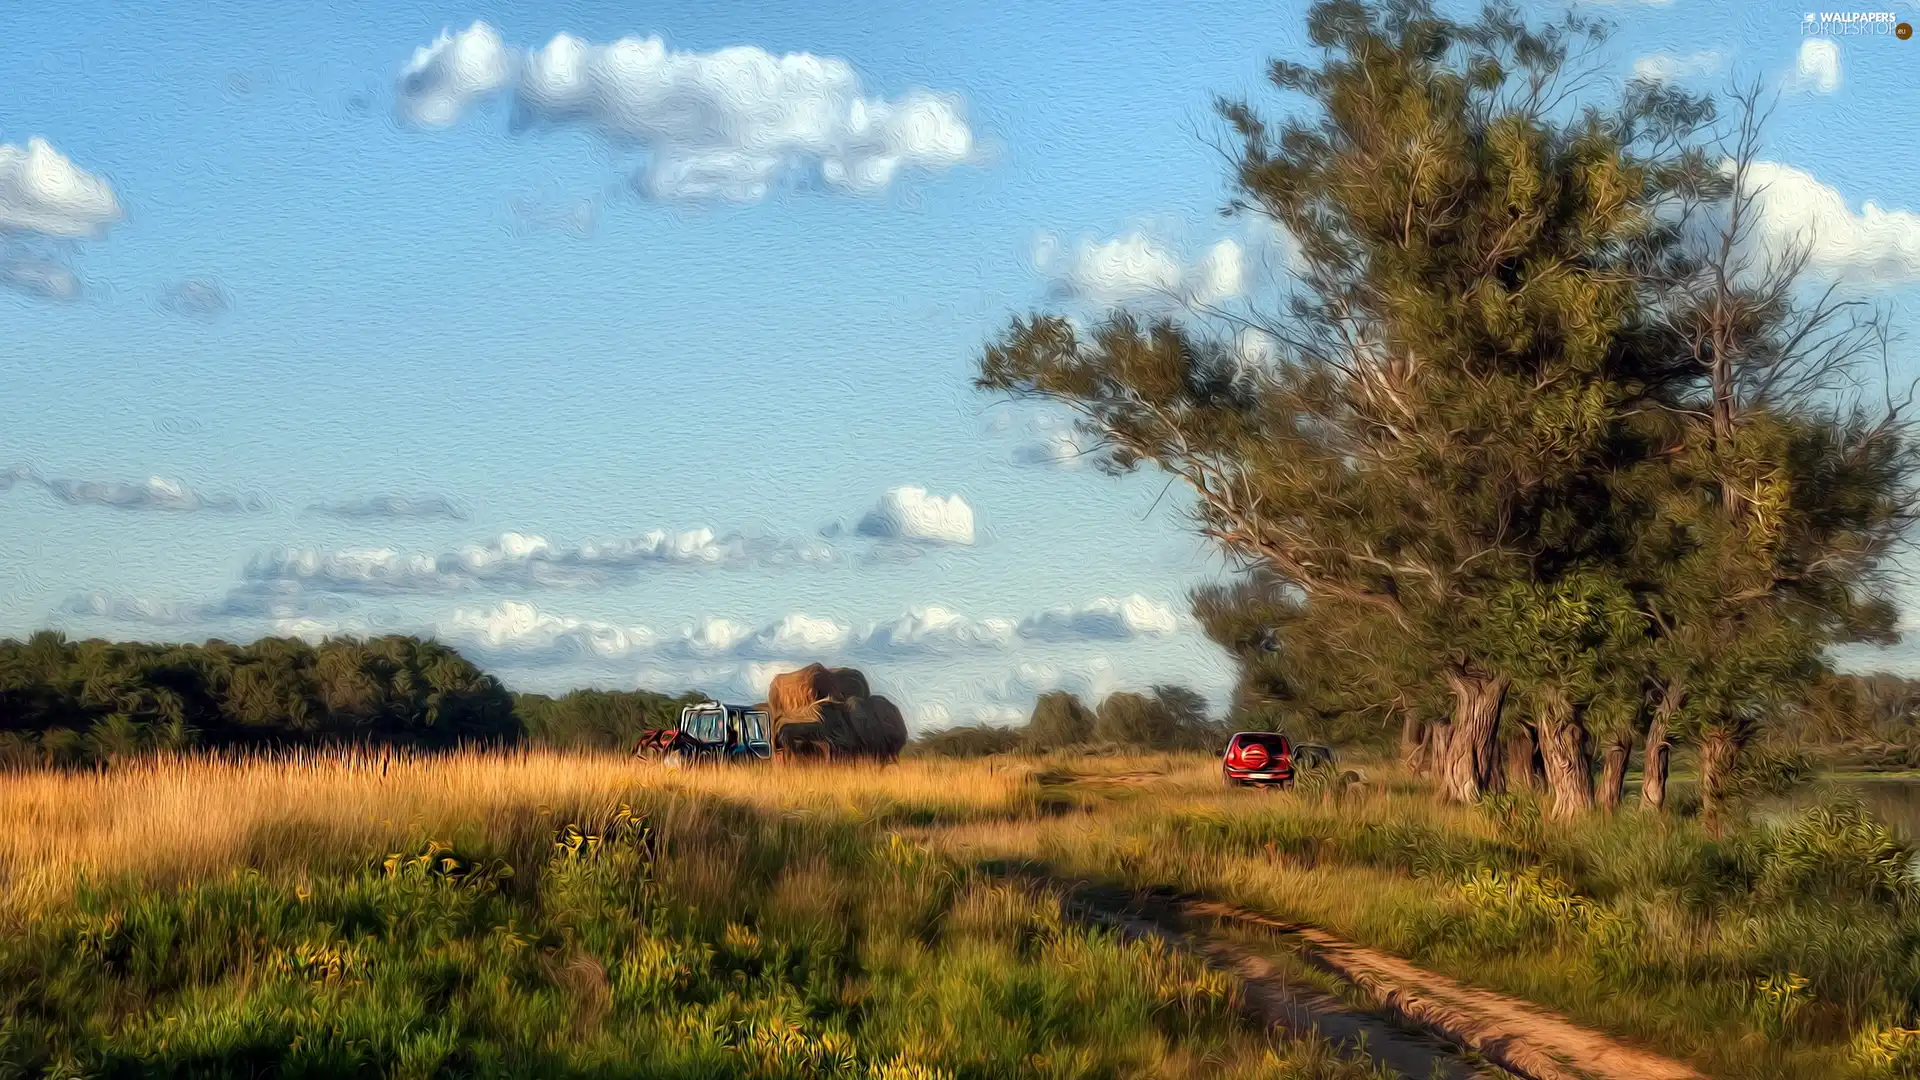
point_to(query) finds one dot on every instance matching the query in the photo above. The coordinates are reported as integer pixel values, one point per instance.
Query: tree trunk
(1719, 752)
(1468, 765)
(1653, 759)
(1525, 771)
(1414, 741)
(1613, 771)
(1563, 747)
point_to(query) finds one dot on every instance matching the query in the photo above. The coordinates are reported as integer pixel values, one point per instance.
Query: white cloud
(527, 561)
(938, 629)
(1817, 67)
(1874, 246)
(265, 600)
(1672, 67)
(909, 513)
(728, 125)
(1105, 619)
(1144, 270)
(446, 78)
(1136, 268)
(714, 637)
(43, 192)
(315, 631)
(394, 506)
(155, 493)
(802, 636)
(522, 631)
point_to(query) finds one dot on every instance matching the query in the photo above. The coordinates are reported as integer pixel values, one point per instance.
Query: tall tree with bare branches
(1793, 473)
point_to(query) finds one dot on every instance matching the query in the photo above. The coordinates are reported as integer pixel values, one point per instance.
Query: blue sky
(506, 333)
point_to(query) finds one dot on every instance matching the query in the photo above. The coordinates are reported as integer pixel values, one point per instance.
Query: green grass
(498, 916)
(1777, 952)
(685, 936)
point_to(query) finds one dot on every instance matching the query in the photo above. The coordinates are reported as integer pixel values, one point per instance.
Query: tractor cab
(712, 731)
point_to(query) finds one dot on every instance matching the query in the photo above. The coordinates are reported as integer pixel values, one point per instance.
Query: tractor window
(754, 725)
(707, 725)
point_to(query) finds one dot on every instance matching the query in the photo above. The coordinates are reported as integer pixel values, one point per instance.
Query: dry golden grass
(172, 819)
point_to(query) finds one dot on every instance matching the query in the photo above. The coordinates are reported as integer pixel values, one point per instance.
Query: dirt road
(1420, 1024)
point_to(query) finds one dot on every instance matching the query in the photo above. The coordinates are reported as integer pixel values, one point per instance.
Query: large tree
(1792, 472)
(1457, 375)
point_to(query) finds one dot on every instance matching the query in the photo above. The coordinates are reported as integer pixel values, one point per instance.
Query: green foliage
(1059, 720)
(739, 944)
(1172, 718)
(599, 719)
(967, 741)
(1832, 855)
(64, 702)
(1803, 933)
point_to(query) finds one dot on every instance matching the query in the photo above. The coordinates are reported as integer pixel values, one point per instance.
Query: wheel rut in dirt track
(1421, 1023)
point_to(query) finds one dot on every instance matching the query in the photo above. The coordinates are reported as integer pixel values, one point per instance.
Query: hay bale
(791, 696)
(841, 684)
(865, 727)
(889, 727)
(802, 741)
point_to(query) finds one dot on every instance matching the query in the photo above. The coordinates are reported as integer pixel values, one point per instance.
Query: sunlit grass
(173, 819)
(1751, 956)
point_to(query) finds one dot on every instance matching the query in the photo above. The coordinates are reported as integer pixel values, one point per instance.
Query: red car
(1258, 757)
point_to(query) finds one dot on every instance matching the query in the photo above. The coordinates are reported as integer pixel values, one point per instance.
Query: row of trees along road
(1543, 438)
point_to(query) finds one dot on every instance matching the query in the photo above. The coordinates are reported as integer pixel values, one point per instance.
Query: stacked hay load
(831, 712)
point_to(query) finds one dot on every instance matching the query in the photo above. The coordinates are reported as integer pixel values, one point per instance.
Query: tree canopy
(1529, 434)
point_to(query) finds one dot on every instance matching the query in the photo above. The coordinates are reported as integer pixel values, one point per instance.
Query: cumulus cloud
(518, 559)
(713, 637)
(909, 513)
(202, 298)
(1874, 246)
(1672, 67)
(155, 493)
(446, 78)
(529, 634)
(1136, 268)
(515, 630)
(936, 629)
(729, 125)
(802, 635)
(1104, 619)
(43, 192)
(267, 600)
(394, 506)
(1816, 69)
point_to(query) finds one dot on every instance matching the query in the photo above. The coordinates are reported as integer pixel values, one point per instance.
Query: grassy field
(575, 916)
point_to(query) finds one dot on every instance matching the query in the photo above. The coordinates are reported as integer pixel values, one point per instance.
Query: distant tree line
(77, 702)
(1168, 718)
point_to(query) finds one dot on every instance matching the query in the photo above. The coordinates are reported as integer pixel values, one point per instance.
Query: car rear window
(1274, 745)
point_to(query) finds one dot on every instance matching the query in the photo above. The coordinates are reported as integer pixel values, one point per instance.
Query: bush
(969, 741)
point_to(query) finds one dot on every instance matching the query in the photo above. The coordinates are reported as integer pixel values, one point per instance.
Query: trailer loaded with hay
(831, 713)
(816, 713)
